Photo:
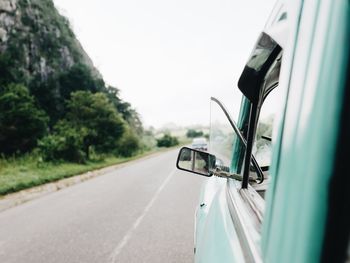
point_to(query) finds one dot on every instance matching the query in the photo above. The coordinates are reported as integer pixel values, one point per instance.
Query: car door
(313, 78)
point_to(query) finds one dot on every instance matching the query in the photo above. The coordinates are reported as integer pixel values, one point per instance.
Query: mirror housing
(195, 161)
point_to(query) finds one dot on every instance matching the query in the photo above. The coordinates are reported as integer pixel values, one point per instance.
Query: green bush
(148, 142)
(193, 133)
(91, 123)
(167, 141)
(128, 145)
(21, 122)
(95, 114)
(66, 143)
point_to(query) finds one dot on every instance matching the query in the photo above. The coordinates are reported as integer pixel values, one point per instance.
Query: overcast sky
(168, 57)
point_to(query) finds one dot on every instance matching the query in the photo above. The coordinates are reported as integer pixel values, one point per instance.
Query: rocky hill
(42, 63)
(38, 40)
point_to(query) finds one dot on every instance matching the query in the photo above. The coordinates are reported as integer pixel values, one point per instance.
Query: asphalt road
(142, 212)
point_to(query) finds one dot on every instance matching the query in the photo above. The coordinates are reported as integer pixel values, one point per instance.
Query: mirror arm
(223, 174)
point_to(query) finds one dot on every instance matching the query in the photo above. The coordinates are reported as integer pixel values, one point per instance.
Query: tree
(21, 122)
(7, 72)
(191, 133)
(96, 114)
(129, 114)
(65, 143)
(53, 92)
(48, 96)
(79, 77)
(129, 144)
(167, 141)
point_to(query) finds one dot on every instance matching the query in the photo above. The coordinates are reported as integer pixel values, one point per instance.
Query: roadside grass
(28, 171)
(19, 173)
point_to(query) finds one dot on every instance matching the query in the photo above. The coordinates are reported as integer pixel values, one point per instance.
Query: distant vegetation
(167, 141)
(192, 133)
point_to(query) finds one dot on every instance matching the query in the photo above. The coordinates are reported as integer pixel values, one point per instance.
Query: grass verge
(25, 172)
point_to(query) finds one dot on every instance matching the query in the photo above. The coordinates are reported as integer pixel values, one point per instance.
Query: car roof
(199, 140)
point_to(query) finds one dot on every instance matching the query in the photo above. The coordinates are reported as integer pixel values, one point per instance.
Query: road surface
(142, 212)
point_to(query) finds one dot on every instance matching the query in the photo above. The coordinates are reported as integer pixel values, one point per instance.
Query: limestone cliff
(37, 40)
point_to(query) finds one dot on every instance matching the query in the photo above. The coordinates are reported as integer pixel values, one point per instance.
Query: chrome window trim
(246, 219)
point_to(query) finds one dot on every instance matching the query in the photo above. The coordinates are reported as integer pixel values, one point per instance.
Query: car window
(263, 143)
(262, 148)
(222, 136)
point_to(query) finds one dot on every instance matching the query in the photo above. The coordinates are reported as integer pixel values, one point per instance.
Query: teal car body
(303, 216)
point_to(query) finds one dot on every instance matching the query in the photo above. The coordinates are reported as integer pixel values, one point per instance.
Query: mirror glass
(196, 161)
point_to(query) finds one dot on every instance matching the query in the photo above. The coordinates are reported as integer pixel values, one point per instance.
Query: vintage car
(199, 144)
(280, 192)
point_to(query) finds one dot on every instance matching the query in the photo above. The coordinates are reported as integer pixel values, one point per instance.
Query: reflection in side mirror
(196, 161)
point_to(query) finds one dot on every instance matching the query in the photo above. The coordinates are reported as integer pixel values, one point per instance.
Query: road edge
(14, 199)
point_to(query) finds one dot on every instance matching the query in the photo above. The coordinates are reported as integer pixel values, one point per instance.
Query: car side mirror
(195, 161)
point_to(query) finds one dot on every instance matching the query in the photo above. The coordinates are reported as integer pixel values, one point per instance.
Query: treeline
(65, 117)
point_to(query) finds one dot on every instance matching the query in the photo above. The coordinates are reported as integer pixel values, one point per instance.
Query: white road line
(128, 235)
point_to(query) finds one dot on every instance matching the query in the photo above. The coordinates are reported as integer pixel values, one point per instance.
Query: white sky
(168, 57)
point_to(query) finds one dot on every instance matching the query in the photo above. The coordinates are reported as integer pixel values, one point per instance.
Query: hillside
(38, 40)
(42, 65)
(39, 49)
